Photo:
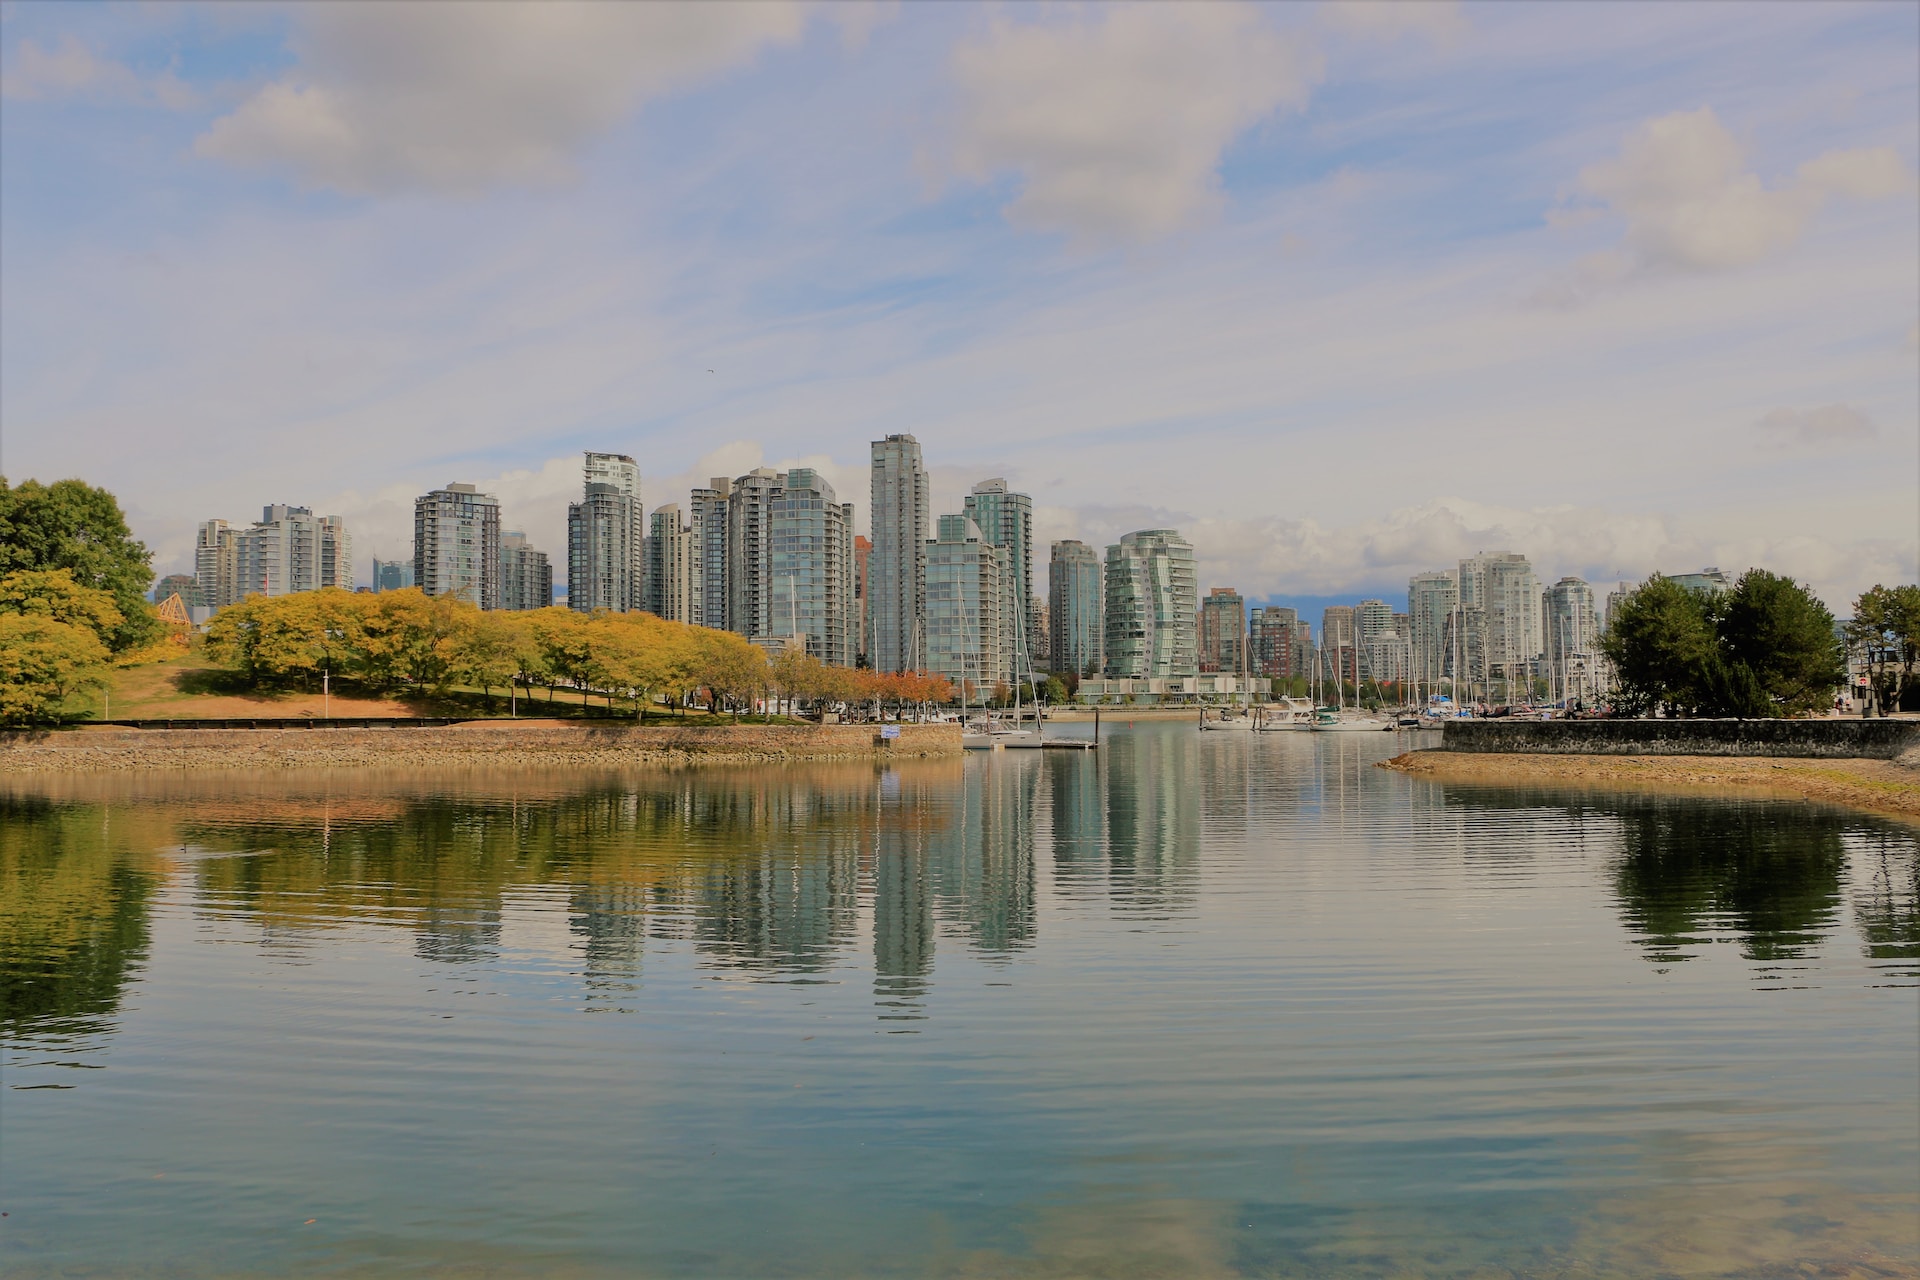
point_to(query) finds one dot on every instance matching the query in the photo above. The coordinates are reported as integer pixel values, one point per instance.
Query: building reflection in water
(778, 874)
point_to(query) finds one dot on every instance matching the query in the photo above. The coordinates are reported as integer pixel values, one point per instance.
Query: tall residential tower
(897, 567)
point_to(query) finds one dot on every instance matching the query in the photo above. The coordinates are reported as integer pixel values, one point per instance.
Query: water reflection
(73, 916)
(791, 874)
(1770, 875)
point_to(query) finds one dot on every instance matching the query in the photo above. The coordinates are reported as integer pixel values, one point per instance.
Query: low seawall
(1832, 739)
(491, 743)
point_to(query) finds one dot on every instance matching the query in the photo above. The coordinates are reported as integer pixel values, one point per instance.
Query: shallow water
(1195, 1005)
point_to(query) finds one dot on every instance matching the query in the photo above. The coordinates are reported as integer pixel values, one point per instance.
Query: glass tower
(1151, 606)
(897, 567)
(1077, 622)
(811, 570)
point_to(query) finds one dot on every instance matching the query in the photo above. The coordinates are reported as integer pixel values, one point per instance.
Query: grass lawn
(193, 687)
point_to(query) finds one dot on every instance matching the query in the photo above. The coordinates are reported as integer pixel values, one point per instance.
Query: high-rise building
(1151, 602)
(1572, 639)
(1708, 582)
(1270, 642)
(600, 551)
(968, 634)
(216, 564)
(392, 575)
(623, 473)
(810, 570)
(1223, 631)
(1005, 519)
(707, 518)
(1339, 648)
(750, 509)
(290, 549)
(1386, 657)
(1431, 601)
(526, 575)
(1372, 620)
(863, 637)
(670, 565)
(178, 584)
(613, 559)
(456, 544)
(1077, 630)
(897, 569)
(1500, 616)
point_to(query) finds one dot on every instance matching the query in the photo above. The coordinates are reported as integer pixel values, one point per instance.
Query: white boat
(1330, 722)
(1284, 715)
(1229, 723)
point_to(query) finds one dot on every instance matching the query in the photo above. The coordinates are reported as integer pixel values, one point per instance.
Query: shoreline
(1887, 787)
(492, 743)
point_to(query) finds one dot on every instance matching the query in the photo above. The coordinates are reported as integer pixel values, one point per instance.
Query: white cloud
(1871, 173)
(1833, 424)
(70, 70)
(463, 96)
(1682, 184)
(1116, 124)
(1439, 20)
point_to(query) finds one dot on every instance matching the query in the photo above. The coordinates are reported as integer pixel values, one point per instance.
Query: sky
(1343, 292)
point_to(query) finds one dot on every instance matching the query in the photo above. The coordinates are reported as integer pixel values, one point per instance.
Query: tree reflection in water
(74, 895)
(769, 873)
(1769, 874)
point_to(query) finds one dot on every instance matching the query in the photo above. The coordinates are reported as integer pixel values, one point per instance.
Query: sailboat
(1338, 719)
(1242, 722)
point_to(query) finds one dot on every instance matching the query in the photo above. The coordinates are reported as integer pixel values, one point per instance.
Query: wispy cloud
(1828, 425)
(70, 70)
(462, 96)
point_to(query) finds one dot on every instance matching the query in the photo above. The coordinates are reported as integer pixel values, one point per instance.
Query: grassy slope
(193, 687)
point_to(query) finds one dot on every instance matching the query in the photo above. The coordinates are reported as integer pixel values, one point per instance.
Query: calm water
(1197, 1005)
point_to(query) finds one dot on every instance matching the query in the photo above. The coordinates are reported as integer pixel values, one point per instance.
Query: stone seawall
(1833, 739)
(491, 743)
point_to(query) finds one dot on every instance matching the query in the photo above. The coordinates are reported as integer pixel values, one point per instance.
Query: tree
(797, 674)
(1661, 643)
(729, 666)
(487, 651)
(41, 662)
(1885, 632)
(53, 593)
(1779, 631)
(560, 636)
(73, 526)
(1056, 691)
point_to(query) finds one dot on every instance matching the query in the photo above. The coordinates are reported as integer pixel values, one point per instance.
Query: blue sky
(1342, 291)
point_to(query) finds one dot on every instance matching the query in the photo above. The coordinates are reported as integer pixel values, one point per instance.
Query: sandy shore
(1883, 786)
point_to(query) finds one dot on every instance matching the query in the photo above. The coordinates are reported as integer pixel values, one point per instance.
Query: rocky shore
(1882, 786)
(492, 743)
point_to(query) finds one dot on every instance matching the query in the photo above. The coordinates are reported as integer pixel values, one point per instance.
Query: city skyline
(1401, 284)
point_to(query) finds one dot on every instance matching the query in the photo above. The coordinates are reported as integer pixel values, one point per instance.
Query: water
(1195, 1005)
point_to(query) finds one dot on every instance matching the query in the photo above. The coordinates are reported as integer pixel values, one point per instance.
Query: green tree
(1776, 629)
(1885, 632)
(43, 661)
(53, 593)
(73, 526)
(1662, 645)
(1056, 691)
